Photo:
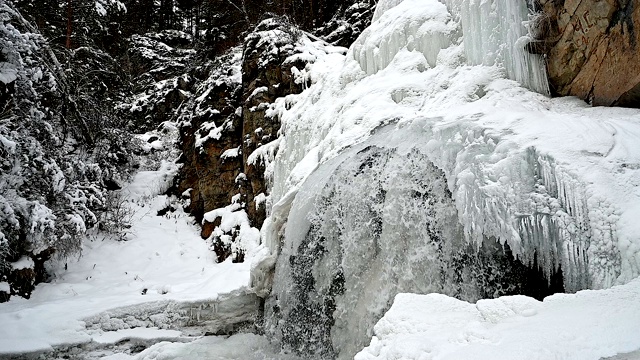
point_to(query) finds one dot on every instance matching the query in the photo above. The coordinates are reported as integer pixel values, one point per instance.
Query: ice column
(495, 32)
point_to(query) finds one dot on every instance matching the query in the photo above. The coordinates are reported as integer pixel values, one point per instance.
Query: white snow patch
(231, 153)
(588, 325)
(233, 218)
(8, 73)
(112, 337)
(147, 184)
(240, 346)
(260, 200)
(165, 256)
(25, 262)
(258, 91)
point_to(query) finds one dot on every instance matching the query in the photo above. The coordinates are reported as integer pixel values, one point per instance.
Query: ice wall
(427, 27)
(549, 182)
(494, 32)
(373, 222)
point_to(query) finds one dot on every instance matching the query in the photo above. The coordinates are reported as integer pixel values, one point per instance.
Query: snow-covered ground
(588, 325)
(151, 287)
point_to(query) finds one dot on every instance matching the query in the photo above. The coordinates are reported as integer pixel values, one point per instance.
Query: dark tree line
(218, 23)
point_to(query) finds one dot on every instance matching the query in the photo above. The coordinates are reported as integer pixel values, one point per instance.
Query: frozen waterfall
(373, 222)
(494, 32)
(416, 164)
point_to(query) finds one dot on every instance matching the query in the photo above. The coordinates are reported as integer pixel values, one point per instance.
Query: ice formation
(413, 106)
(495, 32)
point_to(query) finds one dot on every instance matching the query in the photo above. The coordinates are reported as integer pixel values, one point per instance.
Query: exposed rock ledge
(592, 49)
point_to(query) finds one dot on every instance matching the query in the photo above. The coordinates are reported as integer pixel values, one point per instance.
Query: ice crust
(553, 178)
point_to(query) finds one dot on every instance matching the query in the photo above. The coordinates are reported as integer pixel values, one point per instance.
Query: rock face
(227, 122)
(592, 49)
(266, 76)
(350, 19)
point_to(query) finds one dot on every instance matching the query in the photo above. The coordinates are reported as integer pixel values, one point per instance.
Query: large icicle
(494, 31)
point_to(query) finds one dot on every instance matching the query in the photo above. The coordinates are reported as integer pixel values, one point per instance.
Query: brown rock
(593, 50)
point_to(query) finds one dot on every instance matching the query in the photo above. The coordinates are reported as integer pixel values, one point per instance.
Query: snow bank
(234, 229)
(582, 326)
(25, 262)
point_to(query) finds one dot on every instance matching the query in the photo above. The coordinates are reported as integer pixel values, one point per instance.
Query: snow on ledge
(25, 262)
(590, 324)
(112, 337)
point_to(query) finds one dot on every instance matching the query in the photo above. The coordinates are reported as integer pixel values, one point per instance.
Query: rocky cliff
(227, 122)
(592, 49)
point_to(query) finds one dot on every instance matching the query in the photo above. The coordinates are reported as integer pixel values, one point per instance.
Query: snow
(241, 346)
(25, 262)
(230, 153)
(213, 132)
(260, 200)
(233, 217)
(553, 177)
(112, 337)
(147, 184)
(590, 324)
(164, 276)
(4, 286)
(258, 91)
(8, 73)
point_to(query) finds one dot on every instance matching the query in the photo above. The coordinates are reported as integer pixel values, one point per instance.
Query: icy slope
(163, 277)
(588, 325)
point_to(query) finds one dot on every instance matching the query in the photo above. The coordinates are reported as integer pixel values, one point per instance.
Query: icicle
(495, 33)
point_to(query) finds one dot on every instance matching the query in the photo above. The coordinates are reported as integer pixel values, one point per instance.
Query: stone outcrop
(227, 122)
(266, 76)
(209, 177)
(592, 49)
(349, 20)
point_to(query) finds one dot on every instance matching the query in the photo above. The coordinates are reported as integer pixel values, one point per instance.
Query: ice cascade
(495, 32)
(412, 165)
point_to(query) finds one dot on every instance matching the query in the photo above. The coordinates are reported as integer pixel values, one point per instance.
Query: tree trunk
(69, 23)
